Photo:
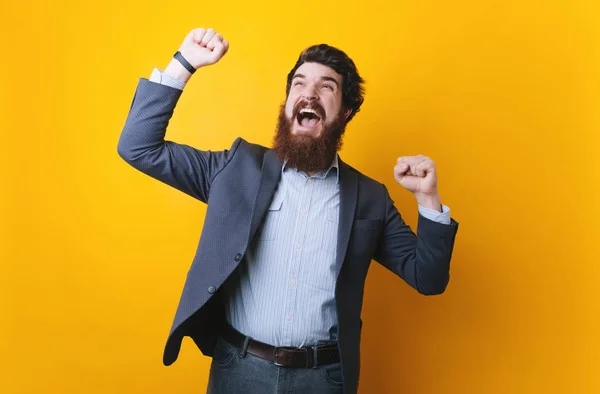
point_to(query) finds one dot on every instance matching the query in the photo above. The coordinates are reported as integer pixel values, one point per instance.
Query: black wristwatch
(184, 62)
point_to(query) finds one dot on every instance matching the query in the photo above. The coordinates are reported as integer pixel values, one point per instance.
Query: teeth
(305, 110)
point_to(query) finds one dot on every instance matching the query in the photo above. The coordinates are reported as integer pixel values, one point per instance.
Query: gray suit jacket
(238, 185)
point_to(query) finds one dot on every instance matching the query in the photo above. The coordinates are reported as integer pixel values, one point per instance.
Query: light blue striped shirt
(283, 293)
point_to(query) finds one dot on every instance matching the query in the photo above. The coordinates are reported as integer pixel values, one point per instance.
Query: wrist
(430, 201)
(175, 70)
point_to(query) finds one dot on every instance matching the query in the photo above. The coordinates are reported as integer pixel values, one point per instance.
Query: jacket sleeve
(422, 260)
(142, 144)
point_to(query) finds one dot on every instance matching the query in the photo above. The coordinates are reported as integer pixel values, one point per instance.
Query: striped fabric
(284, 293)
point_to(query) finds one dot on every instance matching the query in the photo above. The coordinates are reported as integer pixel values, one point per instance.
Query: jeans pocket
(333, 374)
(224, 353)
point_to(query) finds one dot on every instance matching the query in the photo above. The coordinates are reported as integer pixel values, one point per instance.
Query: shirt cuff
(436, 216)
(163, 79)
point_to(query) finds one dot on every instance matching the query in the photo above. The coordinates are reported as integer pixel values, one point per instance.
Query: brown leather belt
(289, 357)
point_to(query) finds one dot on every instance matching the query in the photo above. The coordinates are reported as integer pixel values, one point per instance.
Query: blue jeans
(231, 372)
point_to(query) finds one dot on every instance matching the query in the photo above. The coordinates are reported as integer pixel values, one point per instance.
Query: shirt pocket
(271, 224)
(330, 232)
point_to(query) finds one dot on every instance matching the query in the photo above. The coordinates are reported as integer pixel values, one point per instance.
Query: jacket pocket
(367, 224)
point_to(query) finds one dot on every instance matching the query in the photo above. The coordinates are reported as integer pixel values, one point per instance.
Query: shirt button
(309, 180)
(298, 246)
(288, 318)
(304, 212)
(238, 257)
(211, 289)
(293, 283)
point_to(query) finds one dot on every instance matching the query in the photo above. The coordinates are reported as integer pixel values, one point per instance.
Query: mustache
(306, 104)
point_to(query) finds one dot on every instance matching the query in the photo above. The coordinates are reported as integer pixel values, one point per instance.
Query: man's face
(314, 100)
(312, 120)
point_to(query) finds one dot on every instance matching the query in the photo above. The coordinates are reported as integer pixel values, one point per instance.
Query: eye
(298, 83)
(327, 86)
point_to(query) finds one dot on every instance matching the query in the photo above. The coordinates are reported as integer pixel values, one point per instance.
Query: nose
(310, 93)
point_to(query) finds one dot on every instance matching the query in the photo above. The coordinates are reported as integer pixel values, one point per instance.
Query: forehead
(317, 70)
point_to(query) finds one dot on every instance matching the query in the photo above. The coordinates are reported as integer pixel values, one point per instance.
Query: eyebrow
(323, 78)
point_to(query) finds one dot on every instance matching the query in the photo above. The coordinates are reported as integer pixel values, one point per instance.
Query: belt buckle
(293, 349)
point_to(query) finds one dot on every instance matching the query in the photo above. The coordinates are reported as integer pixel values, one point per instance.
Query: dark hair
(352, 84)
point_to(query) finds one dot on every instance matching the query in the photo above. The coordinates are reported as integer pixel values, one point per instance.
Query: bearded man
(275, 290)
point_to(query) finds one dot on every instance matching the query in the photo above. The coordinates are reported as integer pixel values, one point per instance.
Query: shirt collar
(334, 164)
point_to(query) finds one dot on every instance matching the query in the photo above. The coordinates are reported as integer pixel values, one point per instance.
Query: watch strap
(184, 62)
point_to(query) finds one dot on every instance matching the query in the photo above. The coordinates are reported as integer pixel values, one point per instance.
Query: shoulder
(240, 145)
(365, 181)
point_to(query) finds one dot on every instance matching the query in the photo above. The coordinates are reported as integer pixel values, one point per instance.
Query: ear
(347, 113)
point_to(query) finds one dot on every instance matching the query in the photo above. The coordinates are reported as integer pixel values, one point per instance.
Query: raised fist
(203, 47)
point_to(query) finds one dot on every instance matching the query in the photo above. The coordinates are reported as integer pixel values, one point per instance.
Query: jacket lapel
(269, 178)
(348, 196)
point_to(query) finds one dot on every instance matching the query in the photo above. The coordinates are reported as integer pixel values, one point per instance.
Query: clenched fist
(203, 47)
(417, 174)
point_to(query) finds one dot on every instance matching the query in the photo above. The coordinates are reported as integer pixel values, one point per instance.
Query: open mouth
(308, 117)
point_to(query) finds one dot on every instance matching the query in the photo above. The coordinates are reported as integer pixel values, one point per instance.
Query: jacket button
(212, 289)
(238, 257)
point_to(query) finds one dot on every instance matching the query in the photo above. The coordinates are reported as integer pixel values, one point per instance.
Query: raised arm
(142, 142)
(422, 260)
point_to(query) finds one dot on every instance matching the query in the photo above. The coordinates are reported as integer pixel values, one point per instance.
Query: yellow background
(504, 95)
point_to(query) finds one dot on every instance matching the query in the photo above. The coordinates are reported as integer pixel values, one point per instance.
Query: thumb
(400, 170)
(221, 48)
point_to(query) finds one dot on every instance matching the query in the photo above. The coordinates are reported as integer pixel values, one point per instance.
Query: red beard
(307, 153)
